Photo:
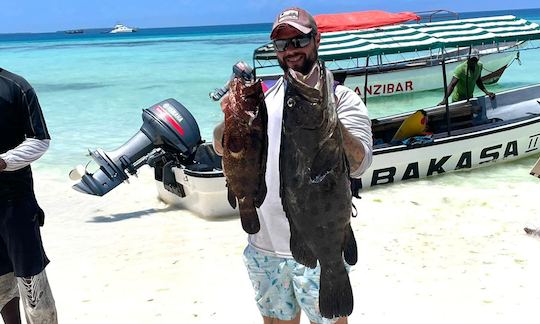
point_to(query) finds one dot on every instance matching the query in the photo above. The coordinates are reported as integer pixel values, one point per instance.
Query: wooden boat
(464, 135)
(405, 58)
(482, 132)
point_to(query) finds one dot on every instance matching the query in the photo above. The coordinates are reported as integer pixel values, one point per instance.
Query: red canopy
(361, 20)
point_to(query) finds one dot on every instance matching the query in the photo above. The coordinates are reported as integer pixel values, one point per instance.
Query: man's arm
(356, 130)
(218, 137)
(354, 149)
(25, 153)
(449, 90)
(480, 85)
(219, 129)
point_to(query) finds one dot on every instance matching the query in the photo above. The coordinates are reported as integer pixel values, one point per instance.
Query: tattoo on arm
(354, 149)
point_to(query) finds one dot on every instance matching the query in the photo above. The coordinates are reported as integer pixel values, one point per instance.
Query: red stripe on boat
(171, 120)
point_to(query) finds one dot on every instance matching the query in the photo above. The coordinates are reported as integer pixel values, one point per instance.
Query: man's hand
(3, 165)
(491, 95)
(442, 103)
(219, 129)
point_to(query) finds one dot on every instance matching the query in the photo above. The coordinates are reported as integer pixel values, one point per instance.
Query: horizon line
(220, 25)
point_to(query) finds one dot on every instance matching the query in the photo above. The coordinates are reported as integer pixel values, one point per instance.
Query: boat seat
(461, 115)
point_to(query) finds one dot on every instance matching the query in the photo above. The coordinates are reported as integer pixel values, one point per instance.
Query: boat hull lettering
(438, 165)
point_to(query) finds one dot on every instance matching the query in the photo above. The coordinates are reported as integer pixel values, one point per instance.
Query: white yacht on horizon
(120, 28)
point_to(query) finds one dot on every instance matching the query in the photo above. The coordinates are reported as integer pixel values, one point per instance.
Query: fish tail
(248, 216)
(335, 293)
(350, 252)
(231, 197)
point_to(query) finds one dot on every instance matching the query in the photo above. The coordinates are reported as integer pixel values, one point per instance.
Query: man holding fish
(290, 161)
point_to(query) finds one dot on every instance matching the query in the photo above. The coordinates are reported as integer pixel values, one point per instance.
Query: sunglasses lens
(281, 44)
(301, 42)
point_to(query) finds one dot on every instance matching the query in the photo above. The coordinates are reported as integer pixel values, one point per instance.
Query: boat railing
(437, 15)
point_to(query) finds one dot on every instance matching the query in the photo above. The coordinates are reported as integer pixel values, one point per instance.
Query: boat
(351, 56)
(459, 136)
(482, 133)
(120, 28)
(464, 135)
(74, 31)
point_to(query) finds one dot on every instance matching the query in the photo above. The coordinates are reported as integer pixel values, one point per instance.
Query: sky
(54, 15)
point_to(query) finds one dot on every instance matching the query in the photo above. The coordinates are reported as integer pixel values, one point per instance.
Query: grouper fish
(245, 144)
(315, 187)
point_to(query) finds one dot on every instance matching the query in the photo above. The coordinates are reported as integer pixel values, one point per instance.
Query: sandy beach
(433, 253)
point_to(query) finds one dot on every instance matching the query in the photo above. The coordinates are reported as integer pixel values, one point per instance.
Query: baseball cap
(475, 53)
(295, 17)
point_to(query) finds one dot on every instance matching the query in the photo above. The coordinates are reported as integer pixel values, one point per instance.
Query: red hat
(296, 18)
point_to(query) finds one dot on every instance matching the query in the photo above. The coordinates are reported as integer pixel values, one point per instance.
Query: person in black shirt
(23, 139)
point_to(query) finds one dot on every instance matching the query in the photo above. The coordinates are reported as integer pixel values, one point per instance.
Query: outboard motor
(167, 127)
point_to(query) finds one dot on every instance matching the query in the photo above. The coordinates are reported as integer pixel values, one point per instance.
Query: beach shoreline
(428, 254)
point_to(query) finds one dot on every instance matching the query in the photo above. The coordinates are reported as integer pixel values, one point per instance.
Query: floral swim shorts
(284, 286)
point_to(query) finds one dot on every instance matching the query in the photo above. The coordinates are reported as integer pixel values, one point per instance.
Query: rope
(508, 65)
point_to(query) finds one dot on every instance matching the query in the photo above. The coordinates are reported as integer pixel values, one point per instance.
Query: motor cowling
(167, 126)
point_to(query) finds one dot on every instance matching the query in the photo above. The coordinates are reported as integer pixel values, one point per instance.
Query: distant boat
(74, 31)
(119, 28)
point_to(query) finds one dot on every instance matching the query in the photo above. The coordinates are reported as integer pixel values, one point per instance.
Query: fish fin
(248, 216)
(350, 252)
(325, 160)
(299, 249)
(335, 293)
(264, 154)
(231, 197)
(261, 194)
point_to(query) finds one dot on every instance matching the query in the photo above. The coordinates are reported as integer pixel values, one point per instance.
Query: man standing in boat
(467, 75)
(23, 139)
(284, 287)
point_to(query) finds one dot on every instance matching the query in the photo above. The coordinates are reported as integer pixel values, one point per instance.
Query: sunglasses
(298, 42)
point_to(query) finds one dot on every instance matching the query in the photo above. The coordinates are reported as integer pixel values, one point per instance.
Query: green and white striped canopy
(416, 37)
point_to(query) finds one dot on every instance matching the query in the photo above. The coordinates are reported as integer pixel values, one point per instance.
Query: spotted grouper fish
(315, 187)
(245, 143)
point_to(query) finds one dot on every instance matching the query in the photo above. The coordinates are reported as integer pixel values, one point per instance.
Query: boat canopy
(361, 20)
(417, 37)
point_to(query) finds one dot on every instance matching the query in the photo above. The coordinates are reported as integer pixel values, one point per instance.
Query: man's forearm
(354, 149)
(25, 153)
(481, 85)
(218, 137)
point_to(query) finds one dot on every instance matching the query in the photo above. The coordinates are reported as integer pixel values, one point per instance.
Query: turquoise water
(92, 87)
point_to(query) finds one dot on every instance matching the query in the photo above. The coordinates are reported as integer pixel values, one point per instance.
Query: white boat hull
(205, 196)
(515, 135)
(423, 78)
(482, 148)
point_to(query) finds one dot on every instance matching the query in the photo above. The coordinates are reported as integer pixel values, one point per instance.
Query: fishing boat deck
(462, 115)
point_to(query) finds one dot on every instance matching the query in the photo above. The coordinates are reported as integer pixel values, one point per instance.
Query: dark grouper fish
(315, 188)
(245, 142)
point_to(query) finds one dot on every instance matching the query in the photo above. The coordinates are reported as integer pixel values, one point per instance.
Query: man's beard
(305, 68)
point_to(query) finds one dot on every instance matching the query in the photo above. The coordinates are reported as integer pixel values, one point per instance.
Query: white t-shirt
(274, 235)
